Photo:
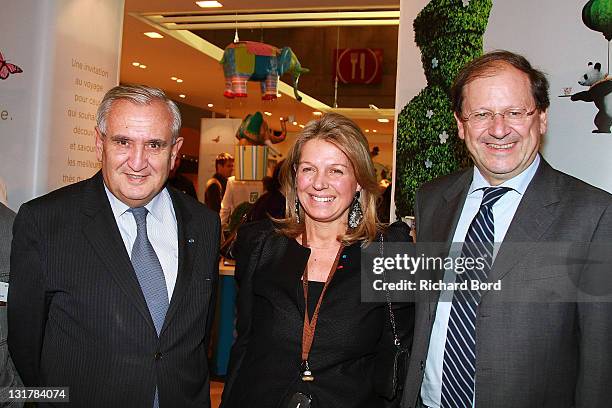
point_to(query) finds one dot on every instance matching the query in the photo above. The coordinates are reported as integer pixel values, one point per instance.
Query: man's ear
(460, 123)
(543, 118)
(176, 147)
(99, 144)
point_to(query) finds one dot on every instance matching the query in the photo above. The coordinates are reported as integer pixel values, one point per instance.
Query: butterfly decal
(6, 68)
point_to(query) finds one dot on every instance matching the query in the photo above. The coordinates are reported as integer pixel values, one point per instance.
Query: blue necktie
(150, 275)
(459, 369)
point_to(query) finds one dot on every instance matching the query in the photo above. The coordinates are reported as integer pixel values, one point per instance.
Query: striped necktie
(150, 275)
(459, 369)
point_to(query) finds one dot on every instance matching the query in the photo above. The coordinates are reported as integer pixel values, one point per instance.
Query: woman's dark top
(314, 292)
(264, 370)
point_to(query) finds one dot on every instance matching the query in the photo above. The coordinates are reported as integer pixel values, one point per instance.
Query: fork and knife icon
(355, 56)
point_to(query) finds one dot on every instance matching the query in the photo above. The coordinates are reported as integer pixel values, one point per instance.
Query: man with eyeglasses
(113, 278)
(542, 337)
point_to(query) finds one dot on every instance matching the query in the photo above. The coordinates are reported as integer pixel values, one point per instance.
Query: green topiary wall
(449, 34)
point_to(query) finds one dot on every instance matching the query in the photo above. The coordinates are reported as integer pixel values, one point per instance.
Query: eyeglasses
(484, 118)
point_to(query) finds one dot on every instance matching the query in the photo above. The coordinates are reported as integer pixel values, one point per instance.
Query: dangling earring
(297, 210)
(355, 215)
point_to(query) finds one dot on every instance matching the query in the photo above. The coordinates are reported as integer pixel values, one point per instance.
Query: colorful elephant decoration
(254, 61)
(254, 130)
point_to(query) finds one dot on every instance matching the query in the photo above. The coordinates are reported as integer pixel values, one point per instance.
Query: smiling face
(137, 153)
(325, 182)
(501, 151)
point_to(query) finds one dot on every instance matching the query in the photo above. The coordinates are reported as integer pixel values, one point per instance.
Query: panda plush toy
(600, 93)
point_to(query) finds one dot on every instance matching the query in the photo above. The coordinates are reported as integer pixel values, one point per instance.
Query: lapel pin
(191, 240)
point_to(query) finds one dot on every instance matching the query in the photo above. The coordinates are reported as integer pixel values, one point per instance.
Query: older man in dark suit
(113, 278)
(542, 339)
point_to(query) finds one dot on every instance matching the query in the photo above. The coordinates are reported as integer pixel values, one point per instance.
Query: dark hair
(222, 158)
(488, 65)
(273, 183)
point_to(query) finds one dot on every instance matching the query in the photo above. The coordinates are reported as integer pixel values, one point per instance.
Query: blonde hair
(346, 136)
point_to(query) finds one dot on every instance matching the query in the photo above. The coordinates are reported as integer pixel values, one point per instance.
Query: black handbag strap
(396, 339)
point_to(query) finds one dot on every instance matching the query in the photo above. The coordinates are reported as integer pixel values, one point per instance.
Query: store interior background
(314, 43)
(551, 35)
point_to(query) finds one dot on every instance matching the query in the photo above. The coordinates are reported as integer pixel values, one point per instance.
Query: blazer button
(158, 356)
(422, 365)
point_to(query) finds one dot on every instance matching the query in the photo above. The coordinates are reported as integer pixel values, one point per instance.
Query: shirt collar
(517, 183)
(155, 206)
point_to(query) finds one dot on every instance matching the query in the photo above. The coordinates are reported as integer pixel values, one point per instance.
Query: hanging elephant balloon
(245, 61)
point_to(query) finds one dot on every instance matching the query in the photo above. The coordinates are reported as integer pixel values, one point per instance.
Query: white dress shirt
(161, 230)
(503, 212)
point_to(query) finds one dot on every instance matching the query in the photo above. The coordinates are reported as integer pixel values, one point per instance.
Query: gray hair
(140, 95)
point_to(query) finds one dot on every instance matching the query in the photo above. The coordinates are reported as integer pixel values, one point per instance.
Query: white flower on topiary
(443, 137)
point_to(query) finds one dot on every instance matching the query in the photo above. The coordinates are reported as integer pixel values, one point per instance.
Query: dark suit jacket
(264, 369)
(8, 373)
(78, 317)
(536, 352)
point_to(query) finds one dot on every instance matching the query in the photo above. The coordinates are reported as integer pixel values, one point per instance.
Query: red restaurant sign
(358, 65)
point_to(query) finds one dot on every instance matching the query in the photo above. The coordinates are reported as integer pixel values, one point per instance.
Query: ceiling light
(143, 66)
(181, 96)
(136, 64)
(278, 95)
(302, 126)
(294, 123)
(317, 113)
(207, 4)
(383, 120)
(153, 34)
(210, 105)
(267, 114)
(367, 130)
(374, 130)
(173, 78)
(179, 80)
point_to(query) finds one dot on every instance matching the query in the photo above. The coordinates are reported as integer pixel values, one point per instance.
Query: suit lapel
(444, 220)
(104, 236)
(533, 217)
(297, 256)
(188, 240)
(447, 214)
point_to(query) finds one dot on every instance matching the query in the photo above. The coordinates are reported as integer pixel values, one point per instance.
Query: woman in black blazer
(284, 266)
